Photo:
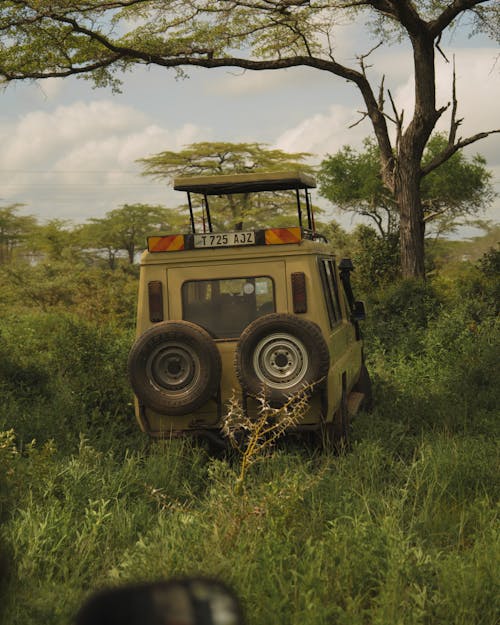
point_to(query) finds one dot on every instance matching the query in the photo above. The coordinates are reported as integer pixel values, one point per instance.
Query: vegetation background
(403, 528)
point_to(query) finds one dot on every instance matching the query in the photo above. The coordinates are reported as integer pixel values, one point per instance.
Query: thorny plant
(253, 436)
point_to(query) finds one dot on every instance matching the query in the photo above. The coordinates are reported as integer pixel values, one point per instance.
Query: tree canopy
(101, 38)
(461, 187)
(14, 229)
(123, 229)
(215, 158)
(126, 229)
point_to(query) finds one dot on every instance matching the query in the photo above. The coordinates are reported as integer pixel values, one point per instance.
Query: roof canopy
(244, 183)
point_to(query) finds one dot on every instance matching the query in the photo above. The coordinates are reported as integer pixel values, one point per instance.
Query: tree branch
(451, 149)
(454, 123)
(454, 9)
(398, 119)
(363, 114)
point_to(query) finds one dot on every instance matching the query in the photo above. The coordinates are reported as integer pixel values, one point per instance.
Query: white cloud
(78, 161)
(478, 94)
(478, 91)
(50, 88)
(325, 133)
(250, 83)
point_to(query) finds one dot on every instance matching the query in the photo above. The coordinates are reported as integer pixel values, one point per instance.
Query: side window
(330, 289)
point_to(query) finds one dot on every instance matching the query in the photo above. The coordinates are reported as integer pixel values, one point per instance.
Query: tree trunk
(411, 221)
(131, 253)
(411, 148)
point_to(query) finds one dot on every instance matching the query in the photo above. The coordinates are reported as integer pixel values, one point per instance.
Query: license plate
(226, 239)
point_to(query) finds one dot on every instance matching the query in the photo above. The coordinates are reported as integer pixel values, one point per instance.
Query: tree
(461, 187)
(55, 240)
(125, 229)
(102, 37)
(14, 230)
(214, 158)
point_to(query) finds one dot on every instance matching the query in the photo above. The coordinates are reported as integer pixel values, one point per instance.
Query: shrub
(61, 375)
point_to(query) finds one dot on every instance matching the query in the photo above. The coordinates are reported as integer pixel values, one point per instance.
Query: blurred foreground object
(175, 602)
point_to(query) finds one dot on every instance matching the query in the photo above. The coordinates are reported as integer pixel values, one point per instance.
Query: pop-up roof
(244, 183)
(248, 183)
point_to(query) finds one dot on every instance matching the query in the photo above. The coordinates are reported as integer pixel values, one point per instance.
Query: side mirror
(358, 311)
(346, 265)
(189, 601)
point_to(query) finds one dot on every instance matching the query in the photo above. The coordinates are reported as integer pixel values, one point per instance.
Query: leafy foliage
(121, 231)
(100, 39)
(14, 229)
(376, 258)
(91, 292)
(126, 229)
(216, 158)
(402, 529)
(459, 188)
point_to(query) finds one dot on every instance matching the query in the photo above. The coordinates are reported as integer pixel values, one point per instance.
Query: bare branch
(398, 119)
(438, 41)
(437, 213)
(451, 149)
(454, 123)
(381, 94)
(362, 57)
(363, 114)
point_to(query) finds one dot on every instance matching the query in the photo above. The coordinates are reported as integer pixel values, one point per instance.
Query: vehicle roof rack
(244, 183)
(248, 183)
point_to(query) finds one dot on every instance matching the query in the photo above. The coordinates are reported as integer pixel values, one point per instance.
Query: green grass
(367, 537)
(402, 529)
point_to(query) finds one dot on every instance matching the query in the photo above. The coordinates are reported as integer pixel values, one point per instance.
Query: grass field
(402, 529)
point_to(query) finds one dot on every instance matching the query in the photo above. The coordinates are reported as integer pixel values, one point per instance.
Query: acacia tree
(55, 240)
(15, 229)
(459, 188)
(215, 158)
(126, 228)
(102, 37)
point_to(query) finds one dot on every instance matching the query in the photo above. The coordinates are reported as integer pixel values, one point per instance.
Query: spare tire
(280, 354)
(174, 367)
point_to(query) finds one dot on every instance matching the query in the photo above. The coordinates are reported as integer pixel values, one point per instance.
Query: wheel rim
(280, 360)
(174, 367)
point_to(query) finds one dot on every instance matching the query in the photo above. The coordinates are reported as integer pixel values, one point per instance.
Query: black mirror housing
(346, 265)
(358, 311)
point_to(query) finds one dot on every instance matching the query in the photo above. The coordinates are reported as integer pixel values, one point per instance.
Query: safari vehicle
(265, 312)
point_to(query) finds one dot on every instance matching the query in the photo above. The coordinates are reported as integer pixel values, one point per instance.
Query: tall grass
(403, 529)
(364, 537)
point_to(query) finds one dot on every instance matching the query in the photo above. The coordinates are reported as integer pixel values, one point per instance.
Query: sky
(69, 151)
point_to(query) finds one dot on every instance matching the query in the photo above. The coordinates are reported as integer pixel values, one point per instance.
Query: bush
(61, 376)
(398, 316)
(434, 357)
(401, 529)
(92, 293)
(377, 259)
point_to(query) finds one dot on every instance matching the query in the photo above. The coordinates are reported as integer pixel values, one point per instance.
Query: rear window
(225, 307)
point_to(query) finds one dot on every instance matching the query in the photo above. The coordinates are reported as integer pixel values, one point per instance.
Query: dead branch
(438, 41)
(398, 119)
(381, 94)
(454, 123)
(363, 114)
(362, 57)
(451, 149)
